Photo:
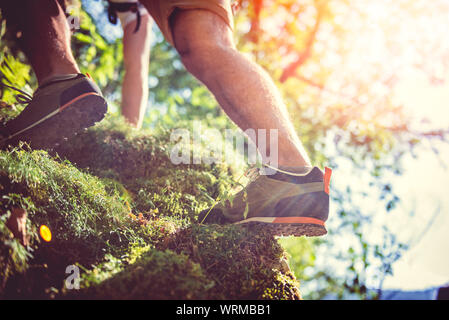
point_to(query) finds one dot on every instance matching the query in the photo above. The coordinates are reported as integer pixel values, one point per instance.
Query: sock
(57, 78)
(297, 170)
(294, 171)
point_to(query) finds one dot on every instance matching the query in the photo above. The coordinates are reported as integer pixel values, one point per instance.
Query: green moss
(157, 275)
(245, 263)
(86, 220)
(140, 160)
(121, 211)
(75, 205)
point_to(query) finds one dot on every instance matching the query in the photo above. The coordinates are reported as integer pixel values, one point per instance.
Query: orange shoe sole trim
(284, 220)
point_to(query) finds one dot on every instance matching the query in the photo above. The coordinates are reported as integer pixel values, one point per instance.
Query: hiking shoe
(57, 110)
(286, 203)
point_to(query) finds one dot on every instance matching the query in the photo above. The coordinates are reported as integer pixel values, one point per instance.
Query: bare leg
(243, 89)
(45, 36)
(136, 54)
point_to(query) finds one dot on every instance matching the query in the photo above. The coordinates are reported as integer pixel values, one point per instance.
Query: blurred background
(366, 85)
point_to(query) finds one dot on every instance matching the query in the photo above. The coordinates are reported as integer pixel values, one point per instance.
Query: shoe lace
(23, 97)
(251, 173)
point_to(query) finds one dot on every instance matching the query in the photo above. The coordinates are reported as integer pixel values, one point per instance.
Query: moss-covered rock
(140, 161)
(156, 275)
(122, 212)
(244, 262)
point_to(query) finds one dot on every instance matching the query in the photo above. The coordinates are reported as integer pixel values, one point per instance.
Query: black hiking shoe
(286, 203)
(58, 110)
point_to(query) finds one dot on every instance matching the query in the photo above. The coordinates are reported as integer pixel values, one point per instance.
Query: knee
(201, 57)
(202, 40)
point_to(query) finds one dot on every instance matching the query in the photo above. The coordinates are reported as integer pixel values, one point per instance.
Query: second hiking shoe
(285, 203)
(57, 110)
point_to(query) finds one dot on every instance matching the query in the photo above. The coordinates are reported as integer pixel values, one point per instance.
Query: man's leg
(66, 101)
(45, 36)
(295, 199)
(242, 88)
(136, 56)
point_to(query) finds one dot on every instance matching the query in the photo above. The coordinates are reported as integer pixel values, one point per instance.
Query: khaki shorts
(161, 11)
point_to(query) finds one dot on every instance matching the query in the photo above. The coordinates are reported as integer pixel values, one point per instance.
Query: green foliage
(102, 60)
(13, 256)
(13, 72)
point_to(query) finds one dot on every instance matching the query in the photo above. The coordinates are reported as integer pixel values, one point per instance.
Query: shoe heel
(80, 113)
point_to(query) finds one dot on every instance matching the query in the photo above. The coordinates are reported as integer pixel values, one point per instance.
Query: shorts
(129, 16)
(11, 11)
(161, 11)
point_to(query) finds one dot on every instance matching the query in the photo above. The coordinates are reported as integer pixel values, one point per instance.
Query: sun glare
(388, 49)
